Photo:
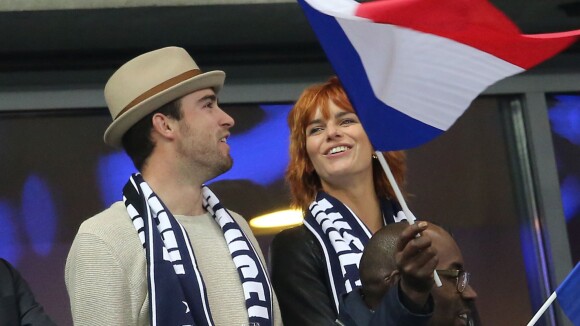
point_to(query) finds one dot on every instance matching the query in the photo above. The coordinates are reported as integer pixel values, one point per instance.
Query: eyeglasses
(461, 276)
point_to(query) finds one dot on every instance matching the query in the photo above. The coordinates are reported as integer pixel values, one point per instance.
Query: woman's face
(338, 147)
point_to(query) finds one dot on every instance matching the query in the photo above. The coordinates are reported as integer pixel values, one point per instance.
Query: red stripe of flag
(476, 23)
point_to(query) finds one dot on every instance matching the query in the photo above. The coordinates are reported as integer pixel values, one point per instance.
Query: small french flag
(567, 296)
(412, 67)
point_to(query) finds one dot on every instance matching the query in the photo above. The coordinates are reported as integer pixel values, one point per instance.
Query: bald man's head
(377, 265)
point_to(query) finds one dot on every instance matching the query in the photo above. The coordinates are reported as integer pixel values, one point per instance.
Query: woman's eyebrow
(342, 114)
(313, 122)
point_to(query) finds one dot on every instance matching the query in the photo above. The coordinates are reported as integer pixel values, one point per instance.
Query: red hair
(302, 178)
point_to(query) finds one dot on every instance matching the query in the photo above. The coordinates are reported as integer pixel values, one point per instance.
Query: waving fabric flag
(412, 67)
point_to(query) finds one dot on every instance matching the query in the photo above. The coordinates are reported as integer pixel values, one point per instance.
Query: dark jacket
(354, 311)
(17, 303)
(300, 280)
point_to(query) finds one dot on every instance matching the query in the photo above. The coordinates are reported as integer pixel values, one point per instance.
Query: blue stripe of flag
(568, 295)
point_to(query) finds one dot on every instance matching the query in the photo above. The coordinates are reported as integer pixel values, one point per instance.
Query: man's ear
(163, 125)
(391, 279)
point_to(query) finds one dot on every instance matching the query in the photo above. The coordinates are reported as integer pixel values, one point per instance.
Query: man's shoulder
(237, 217)
(112, 231)
(114, 217)
(241, 221)
(353, 311)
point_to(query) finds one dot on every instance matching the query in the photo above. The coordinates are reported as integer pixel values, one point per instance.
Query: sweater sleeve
(97, 285)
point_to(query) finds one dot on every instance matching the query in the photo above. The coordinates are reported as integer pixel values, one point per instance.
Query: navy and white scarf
(343, 236)
(177, 293)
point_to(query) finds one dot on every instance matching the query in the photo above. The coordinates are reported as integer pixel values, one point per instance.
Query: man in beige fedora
(169, 253)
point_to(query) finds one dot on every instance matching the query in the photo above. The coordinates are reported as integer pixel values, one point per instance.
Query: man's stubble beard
(225, 167)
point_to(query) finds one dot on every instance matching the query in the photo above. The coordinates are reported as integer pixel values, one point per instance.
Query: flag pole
(410, 217)
(543, 309)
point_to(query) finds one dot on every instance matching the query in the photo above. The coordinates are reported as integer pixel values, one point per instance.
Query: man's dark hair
(137, 140)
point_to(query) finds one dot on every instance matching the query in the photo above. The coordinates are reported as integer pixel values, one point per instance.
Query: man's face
(203, 131)
(451, 307)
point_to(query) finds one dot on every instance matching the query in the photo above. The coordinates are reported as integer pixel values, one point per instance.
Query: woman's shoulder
(296, 252)
(295, 234)
(298, 238)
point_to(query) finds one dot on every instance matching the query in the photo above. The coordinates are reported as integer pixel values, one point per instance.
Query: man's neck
(182, 196)
(371, 303)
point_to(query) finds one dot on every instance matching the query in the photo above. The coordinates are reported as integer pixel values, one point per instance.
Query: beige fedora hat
(149, 81)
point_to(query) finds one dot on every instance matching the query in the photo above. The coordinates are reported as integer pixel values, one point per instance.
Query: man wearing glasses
(454, 302)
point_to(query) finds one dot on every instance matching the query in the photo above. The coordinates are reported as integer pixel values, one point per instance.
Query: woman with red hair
(338, 183)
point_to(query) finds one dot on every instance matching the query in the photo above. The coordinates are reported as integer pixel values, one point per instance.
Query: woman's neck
(362, 199)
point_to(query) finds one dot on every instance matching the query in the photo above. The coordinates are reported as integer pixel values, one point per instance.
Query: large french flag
(412, 67)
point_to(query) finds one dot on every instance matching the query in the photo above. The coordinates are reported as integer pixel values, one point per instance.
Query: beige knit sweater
(106, 274)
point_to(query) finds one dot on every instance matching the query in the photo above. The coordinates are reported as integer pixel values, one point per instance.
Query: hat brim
(114, 133)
